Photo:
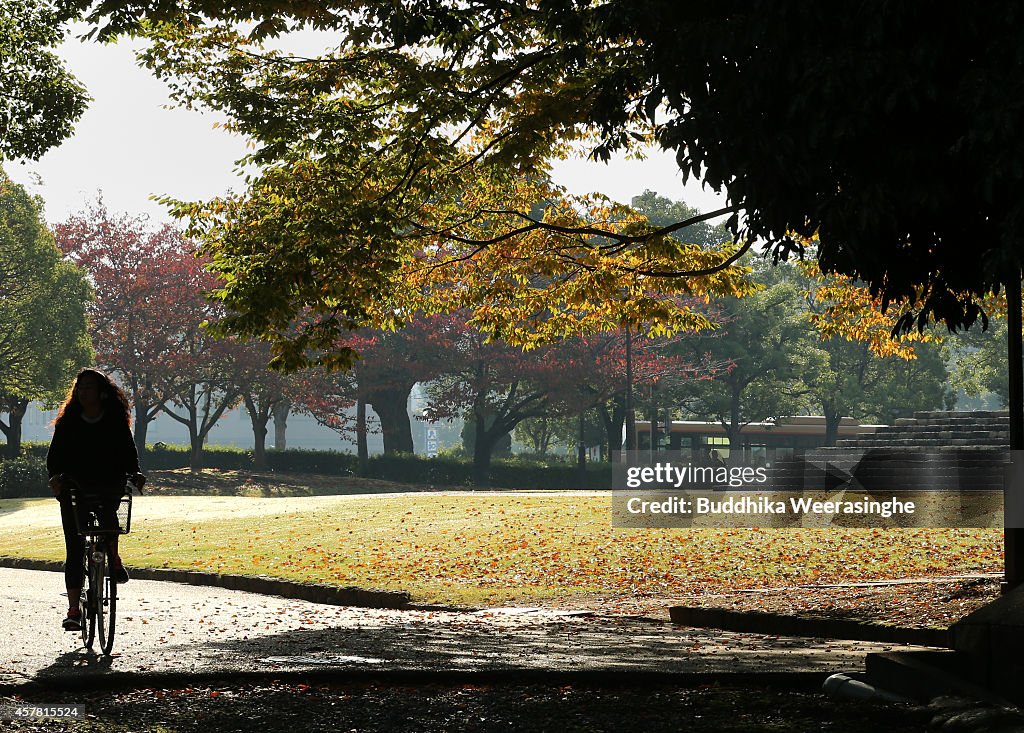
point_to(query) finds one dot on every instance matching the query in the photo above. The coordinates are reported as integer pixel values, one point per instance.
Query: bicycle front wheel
(86, 604)
(106, 606)
(98, 588)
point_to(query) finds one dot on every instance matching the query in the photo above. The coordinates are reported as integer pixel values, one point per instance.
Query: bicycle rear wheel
(106, 606)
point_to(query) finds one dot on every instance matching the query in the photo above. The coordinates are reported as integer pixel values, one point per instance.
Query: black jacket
(97, 455)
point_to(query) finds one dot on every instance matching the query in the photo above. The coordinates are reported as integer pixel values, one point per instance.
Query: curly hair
(112, 395)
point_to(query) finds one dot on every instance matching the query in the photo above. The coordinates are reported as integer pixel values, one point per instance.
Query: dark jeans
(74, 571)
(73, 565)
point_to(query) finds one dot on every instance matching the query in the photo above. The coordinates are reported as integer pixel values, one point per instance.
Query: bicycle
(99, 517)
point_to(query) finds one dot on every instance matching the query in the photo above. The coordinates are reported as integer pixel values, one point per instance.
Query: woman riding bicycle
(92, 444)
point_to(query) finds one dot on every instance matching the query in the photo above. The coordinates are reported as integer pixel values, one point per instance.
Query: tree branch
(480, 244)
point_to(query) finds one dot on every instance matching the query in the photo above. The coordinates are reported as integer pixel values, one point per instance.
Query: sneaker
(120, 572)
(73, 622)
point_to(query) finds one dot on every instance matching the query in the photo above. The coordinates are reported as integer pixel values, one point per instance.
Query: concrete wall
(235, 429)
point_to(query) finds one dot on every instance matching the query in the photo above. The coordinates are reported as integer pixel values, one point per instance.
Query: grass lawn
(494, 548)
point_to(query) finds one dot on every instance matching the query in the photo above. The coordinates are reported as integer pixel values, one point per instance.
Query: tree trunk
(832, 419)
(732, 432)
(482, 449)
(6, 430)
(1013, 543)
(201, 413)
(259, 446)
(361, 448)
(652, 418)
(195, 438)
(390, 406)
(195, 456)
(13, 430)
(281, 410)
(734, 426)
(613, 421)
(141, 427)
(630, 414)
(540, 436)
(581, 452)
(487, 438)
(259, 422)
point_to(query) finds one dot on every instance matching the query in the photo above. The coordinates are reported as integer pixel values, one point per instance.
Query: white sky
(130, 146)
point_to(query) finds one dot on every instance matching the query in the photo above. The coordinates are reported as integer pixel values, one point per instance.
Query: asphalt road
(170, 628)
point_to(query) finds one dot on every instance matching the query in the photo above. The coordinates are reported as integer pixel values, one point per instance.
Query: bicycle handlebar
(134, 480)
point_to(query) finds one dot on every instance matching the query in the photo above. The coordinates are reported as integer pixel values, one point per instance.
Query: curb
(759, 622)
(611, 677)
(313, 592)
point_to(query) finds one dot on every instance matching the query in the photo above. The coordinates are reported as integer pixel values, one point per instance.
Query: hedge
(227, 458)
(23, 477)
(443, 471)
(507, 473)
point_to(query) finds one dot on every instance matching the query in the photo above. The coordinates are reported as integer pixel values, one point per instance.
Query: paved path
(174, 628)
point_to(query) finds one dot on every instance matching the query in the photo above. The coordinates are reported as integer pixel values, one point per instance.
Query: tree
(907, 116)
(767, 343)
(338, 194)
(263, 392)
(328, 396)
(979, 362)
(906, 385)
(495, 387)
(43, 328)
(811, 344)
(112, 17)
(40, 101)
(664, 212)
(601, 372)
(864, 369)
(845, 371)
(391, 363)
(541, 434)
(851, 381)
(144, 278)
(206, 391)
(280, 415)
(204, 367)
